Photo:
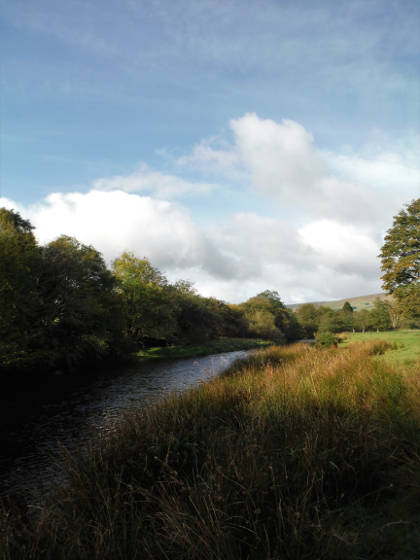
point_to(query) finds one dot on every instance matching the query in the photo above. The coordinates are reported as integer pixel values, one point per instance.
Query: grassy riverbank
(212, 347)
(405, 344)
(296, 453)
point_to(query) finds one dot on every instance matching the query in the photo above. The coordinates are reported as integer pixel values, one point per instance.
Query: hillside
(358, 303)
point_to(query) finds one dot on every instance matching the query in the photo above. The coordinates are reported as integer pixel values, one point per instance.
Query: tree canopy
(400, 259)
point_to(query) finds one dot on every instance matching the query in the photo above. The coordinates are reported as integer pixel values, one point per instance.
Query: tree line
(384, 315)
(62, 308)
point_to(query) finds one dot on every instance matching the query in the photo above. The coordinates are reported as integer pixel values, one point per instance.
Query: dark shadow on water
(37, 419)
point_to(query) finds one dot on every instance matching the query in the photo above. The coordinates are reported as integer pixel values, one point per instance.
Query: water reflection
(30, 463)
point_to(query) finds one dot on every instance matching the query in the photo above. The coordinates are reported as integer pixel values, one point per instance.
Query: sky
(243, 146)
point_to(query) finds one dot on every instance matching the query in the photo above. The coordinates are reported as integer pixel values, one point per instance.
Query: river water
(30, 449)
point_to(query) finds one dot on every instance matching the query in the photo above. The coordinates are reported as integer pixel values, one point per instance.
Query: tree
(346, 313)
(149, 306)
(400, 259)
(380, 316)
(269, 318)
(347, 308)
(309, 316)
(81, 314)
(362, 320)
(331, 320)
(20, 301)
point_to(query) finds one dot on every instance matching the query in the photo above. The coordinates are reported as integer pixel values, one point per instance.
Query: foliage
(146, 298)
(20, 301)
(309, 316)
(269, 318)
(332, 321)
(324, 339)
(62, 308)
(380, 316)
(347, 308)
(400, 257)
(81, 316)
(362, 320)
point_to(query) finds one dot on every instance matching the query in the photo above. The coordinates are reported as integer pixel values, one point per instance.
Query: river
(30, 448)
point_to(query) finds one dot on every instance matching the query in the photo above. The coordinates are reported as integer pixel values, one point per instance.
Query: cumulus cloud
(280, 160)
(345, 248)
(328, 213)
(279, 156)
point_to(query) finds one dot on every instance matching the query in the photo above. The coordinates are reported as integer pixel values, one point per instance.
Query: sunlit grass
(296, 453)
(405, 344)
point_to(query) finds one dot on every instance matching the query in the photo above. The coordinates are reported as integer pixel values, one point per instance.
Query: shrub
(324, 339)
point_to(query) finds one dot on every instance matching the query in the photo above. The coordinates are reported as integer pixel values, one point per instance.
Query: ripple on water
(32, 450)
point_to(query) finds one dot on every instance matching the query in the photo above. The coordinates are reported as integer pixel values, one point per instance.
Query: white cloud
(332, 211)
(248, 254)
(116, 221)
(279, 160)
(386, 170)
(342, 247)
(280, 157)
(161, 185)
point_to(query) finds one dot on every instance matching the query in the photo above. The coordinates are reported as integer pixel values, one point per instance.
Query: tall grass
(296, 453)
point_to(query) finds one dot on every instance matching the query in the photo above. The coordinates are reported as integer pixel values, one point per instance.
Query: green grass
(211, 347)
(296, 453)
(405, 344)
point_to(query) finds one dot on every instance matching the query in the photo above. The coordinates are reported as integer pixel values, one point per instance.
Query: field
(295, 453)
(358, 303)
(405, 344)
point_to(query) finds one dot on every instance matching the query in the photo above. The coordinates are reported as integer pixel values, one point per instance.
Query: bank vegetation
(297, 452)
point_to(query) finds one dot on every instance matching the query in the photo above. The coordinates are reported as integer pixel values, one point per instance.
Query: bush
(324, 339)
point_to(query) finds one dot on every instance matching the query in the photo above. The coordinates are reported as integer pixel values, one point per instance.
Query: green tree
(380, 316)
(149, 305)
(346, 313)
(362, 320)
(81, 313)
(400, 258)
(269, 318)
(309, 316)
(20, 301)
(331, 320)
(197, 319)
(347, 308)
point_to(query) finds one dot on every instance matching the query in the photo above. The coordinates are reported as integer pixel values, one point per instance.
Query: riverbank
(294, 453)
(216, 346)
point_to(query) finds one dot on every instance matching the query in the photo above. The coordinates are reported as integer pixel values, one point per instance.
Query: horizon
(243, 148)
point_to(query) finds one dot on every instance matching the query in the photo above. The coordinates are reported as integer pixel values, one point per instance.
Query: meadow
(296, 453)
(405, 344)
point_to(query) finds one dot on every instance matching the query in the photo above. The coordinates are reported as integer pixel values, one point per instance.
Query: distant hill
(358, 303)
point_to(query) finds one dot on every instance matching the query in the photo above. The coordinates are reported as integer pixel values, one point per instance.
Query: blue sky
(243, 146)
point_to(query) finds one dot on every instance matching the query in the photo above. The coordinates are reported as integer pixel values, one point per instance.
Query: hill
(358, 303)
